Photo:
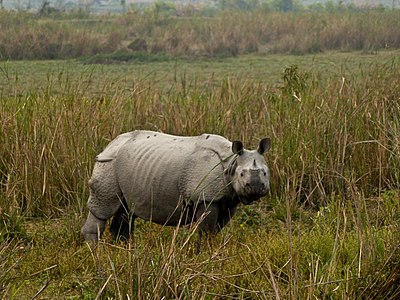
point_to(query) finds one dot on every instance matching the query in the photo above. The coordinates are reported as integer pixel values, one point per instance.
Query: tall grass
(24, 36)
(336, 254)
(335, 150)
(329, 135)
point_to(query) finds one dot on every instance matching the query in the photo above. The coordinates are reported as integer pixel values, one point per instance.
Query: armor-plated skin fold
(173, 180)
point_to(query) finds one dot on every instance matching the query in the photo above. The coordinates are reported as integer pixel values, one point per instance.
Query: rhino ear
(265, 145)
(237, 147)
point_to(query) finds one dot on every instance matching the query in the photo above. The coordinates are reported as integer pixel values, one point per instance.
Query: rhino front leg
(207, 215)
(122, 223)
(93, 228)
(226, 211)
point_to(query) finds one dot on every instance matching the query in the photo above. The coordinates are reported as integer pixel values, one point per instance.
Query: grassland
(329, 229)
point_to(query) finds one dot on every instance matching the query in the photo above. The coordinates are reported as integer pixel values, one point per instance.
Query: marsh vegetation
(328, 229)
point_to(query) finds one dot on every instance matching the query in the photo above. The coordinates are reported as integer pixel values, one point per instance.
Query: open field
(19, 77)
(328, 230)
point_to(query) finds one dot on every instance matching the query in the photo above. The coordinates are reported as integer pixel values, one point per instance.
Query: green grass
(17, 76)
(321, 257)
(328, 230)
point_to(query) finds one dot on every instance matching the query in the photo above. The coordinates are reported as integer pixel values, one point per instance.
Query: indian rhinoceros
(173, 180)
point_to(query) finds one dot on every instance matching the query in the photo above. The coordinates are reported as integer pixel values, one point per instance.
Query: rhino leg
(122, 223)
(207, 215)
(226, 212)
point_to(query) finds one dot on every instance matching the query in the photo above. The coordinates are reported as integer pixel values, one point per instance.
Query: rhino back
(111, 151)
(157, 171)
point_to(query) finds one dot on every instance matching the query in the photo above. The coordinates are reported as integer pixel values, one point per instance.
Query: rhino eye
(241, 174)
(265, 173)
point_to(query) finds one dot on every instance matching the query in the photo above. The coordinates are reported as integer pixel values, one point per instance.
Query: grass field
(328, 230)
(17, 76)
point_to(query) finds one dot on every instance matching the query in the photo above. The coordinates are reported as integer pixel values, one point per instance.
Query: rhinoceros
(173, 180)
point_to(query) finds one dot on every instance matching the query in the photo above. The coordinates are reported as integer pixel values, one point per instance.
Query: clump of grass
(11, 228)
(346, 127)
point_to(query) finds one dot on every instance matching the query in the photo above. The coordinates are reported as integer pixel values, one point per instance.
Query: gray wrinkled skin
(172, 180)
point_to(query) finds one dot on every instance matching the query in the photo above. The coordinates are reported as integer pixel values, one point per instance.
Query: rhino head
(249, 174)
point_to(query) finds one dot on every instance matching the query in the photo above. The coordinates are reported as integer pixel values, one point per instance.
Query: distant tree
(286, 5)
(85, 5)
(45, 9)
(161, 6)
(238, 4)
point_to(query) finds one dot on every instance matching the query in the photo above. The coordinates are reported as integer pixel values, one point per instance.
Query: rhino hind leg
(122, 223)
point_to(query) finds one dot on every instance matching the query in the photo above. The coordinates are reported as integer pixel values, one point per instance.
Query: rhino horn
(254, 169)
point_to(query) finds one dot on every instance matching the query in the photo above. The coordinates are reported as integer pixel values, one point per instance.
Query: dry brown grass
(25, 36)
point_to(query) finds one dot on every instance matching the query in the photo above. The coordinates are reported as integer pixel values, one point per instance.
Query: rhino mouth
(253, 193)
(249, 192)
(249, 199)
